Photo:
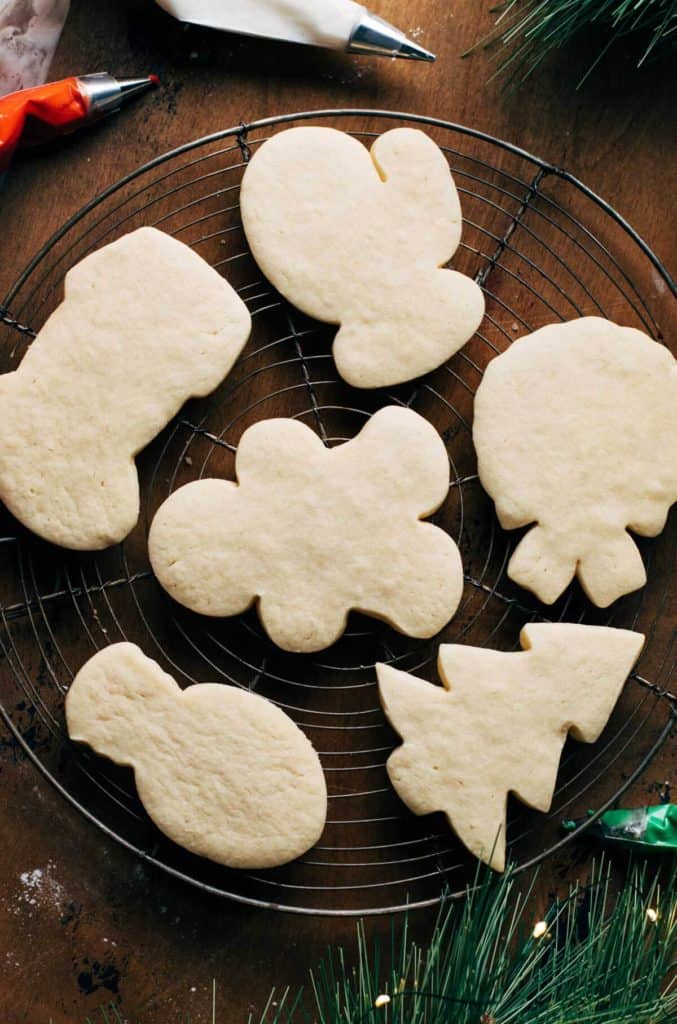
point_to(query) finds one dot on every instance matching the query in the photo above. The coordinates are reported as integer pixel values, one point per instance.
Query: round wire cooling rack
(543, 247)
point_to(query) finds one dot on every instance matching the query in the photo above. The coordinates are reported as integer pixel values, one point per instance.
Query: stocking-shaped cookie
(576, 431)
(357, 238)
(221, 771)
(500, 723)
(145, 324)
(313, 532)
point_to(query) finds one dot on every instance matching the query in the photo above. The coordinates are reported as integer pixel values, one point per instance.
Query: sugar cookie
(500, 722)
(576, 431)
(357, 237)
(221, 771)
(314, 532)
(145, 324)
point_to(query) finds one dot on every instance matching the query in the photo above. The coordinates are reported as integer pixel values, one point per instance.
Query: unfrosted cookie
(221, 771)
(313, 532)
(357, 237)
(576, 431)
(145, 324)
(500, 723)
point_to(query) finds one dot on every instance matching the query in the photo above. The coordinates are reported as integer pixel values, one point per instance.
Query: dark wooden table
(80, 919)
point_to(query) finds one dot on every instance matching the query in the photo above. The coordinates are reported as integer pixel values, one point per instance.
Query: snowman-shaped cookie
(220, 770)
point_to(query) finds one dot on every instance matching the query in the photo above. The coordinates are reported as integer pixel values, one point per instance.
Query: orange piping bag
(58, 108)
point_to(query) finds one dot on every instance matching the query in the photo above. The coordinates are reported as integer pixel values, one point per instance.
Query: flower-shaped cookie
(145, 324)
(576, 431)
(313, 532)
(358, 238)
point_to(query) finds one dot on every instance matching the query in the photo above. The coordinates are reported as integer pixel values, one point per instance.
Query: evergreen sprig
(591, 959)
(596, 957)
(533, 29)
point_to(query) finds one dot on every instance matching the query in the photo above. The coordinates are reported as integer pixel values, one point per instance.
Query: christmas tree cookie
(221, 771)
(145, 324)
(576, 431)
(359, 238)
(311, 532)
(499, 723)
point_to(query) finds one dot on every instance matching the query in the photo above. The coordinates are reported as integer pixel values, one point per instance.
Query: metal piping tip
(412, 51)
(372, 35)
(106, 94)
(133, 86)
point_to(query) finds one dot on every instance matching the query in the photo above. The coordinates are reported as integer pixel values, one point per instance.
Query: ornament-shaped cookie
(499, 724)
(145, 324)
(221, 771)
(358, 237)
(576, 431)
(313, 532)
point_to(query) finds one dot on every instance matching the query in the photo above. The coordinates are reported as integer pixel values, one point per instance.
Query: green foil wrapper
(650, 828)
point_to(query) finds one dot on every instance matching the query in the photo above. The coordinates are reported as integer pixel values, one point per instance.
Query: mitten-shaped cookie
(357, 238)
(145, 324)
(221, 771)
(576, 431)
(313, 532)
(500, 723)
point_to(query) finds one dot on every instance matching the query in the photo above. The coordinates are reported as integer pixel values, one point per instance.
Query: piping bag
(335, 24)
(58, 108)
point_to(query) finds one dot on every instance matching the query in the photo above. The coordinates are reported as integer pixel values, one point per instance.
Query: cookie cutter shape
(312, 532)
(576, 431)
(358, 238)
(499, 723)
(145, 324)
(221, 771)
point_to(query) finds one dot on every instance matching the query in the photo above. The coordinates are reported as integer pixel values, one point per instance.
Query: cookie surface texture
(221, 771)
(357, 237)
(313, 532)
(500, 722)
(145, 324)
(576, 431)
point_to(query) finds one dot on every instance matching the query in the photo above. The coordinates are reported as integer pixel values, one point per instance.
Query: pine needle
(532, 30)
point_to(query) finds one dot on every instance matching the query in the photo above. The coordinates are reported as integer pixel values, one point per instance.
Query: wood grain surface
(81, 920)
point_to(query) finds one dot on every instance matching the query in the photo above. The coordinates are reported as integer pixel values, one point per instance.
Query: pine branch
(594, 958)
(533, 29)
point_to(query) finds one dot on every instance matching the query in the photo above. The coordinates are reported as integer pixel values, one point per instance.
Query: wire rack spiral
(543, 248)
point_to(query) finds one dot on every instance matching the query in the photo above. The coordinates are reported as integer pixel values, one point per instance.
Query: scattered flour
(32, 879)
(39, 887)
